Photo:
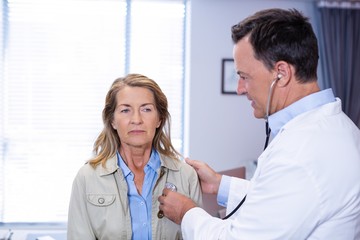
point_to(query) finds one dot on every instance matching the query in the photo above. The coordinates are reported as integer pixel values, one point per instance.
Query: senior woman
(114, 195)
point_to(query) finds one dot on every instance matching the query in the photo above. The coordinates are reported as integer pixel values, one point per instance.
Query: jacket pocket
(101, 200)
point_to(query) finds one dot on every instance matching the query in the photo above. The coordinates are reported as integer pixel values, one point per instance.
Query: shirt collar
(154, 162)
(312, 101)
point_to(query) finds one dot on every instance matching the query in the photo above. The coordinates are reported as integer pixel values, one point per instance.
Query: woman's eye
(124, 110)
(146, 109)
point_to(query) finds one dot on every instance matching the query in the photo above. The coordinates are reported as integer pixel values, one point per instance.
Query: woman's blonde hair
(108, 141)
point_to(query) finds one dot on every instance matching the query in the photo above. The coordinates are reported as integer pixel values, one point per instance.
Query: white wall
(221, 129)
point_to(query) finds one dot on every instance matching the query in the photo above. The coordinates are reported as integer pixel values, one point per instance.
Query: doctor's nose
(241, 87)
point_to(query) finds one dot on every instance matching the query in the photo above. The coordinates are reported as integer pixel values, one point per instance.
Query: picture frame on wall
(229, 78)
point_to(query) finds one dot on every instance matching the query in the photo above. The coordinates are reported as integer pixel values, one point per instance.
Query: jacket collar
(111, 165)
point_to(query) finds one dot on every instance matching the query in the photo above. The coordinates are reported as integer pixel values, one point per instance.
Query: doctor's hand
(209, 179)
(174, 205)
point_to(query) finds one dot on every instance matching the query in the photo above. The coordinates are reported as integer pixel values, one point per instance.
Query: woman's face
(136, 117)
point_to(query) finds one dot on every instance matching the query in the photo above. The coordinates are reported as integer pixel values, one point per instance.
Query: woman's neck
(136, 160)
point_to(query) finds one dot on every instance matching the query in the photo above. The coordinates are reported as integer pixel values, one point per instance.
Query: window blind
(157, 50)
(59, 59)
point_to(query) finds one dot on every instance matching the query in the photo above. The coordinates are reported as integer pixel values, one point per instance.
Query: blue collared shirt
(140, 205)
(312, 101)
(277, 121)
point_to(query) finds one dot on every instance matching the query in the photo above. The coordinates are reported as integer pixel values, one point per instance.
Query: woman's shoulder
(86, 169)
(99, 169)
(178, 165)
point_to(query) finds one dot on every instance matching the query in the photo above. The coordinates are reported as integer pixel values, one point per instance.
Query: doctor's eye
(242, 77)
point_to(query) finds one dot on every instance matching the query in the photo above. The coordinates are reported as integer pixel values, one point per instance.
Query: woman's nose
(136, 117)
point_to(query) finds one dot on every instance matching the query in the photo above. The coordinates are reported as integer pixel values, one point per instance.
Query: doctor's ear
(283, 81)
(283, 73)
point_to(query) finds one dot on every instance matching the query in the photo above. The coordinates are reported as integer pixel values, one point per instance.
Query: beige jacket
(99, 207)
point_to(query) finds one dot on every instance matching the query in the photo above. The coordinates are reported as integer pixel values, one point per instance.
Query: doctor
(307, 183)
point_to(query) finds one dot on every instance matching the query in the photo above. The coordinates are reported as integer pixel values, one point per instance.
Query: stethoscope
(267, 129)
(267, 132)
(168, 185)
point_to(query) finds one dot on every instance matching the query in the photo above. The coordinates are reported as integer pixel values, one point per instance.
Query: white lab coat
(306, 185)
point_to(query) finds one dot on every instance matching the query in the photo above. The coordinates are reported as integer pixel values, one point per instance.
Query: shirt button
(160, 214)
(141, 203)
(101, 200)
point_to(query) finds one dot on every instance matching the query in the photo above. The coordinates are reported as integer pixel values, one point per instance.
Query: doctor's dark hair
(108, 142)
(281, 35)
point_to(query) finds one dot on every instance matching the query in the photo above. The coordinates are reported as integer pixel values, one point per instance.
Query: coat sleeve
(238, 190)
(272, 210)
(79, 226)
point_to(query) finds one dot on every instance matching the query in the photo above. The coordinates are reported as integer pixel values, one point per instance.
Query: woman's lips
(136, 131)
